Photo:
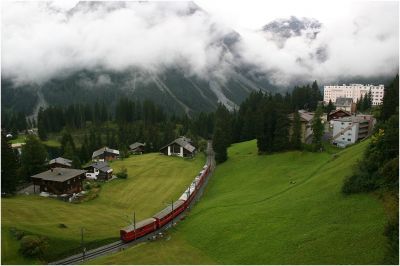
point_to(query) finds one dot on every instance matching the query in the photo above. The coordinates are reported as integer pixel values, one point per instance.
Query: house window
(348, 139)
(45, 188)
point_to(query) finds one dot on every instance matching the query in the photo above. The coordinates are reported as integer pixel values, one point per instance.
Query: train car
(189, 194)
(170, 212)
(141, 228)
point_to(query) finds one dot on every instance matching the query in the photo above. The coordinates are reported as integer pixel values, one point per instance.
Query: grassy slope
(252, 214)
(153, 181)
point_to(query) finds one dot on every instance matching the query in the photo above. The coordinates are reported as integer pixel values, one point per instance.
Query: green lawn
(154, 180)
(285, 208)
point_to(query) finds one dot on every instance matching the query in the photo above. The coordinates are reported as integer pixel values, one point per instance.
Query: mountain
(281, 30)
(174, 88)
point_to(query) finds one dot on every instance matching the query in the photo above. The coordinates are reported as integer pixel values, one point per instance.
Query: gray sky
(41, 40)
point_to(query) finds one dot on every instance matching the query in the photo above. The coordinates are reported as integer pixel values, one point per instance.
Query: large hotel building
(353, 91)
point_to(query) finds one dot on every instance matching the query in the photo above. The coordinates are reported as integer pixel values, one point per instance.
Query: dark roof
(136, 145)
(340, 110)
(341, 101)
(101, 166)
(59, 174)
(168, 209)
(183, 142)
(103, 150)
(139, 224)
(61, 160)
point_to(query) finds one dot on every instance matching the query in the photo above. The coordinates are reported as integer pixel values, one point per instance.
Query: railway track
(119, 245)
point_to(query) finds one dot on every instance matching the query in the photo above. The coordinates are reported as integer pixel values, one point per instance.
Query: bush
(33, 246)
(18, 234)
(360, 181)
(123, 173)
(87, 186)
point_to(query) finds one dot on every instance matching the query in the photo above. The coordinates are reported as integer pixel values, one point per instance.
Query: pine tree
(330, 107)
(42, 131)
(33, 157)
(222, 133)
(281, 133)
(296, 134)
(9, 178)
(318, 129)
(390, 103)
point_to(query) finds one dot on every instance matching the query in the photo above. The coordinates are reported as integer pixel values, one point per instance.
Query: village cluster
(62, 181)
(344, 125)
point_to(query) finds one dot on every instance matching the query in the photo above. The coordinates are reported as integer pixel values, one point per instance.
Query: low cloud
(41, 40)
(364, 44)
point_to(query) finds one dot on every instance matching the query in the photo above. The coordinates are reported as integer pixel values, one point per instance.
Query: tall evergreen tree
(9, 164)
(222, 133)
(281, 132)
(390, 103)
(330, 107)
(318, 129)
(33, 157)
(296, 131)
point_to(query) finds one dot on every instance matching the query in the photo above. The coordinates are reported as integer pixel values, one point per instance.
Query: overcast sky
(42, 40)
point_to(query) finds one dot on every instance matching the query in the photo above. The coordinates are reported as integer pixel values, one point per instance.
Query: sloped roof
(183, 142)
(341, 101)
(62, 161)
(136, 145)
(101, 166)
(59, 174)
(340, 110)
(103, 150)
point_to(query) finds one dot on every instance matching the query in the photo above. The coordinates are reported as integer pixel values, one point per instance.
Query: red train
(163, 217)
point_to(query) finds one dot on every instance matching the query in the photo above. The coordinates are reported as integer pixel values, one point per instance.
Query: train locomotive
(149, 225)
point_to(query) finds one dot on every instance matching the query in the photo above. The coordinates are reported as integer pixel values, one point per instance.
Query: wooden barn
(101, 170)
(181, 147)
(59, 181)
(60, 162)
(105, 154)
(137, 148)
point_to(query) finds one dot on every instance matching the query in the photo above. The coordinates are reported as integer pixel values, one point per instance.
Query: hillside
(153, 181)
(285, 208)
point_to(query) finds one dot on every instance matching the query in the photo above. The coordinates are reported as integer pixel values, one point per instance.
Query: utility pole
(134, 223)
(172, 204)
(83, 248)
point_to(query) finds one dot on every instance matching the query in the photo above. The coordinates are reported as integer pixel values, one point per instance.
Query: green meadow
(153, 181)
(285, 208)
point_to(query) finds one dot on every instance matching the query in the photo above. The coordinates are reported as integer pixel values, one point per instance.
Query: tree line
(272, 119)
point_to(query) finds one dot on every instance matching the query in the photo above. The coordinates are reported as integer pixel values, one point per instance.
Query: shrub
(87, 186)
(18, 234)
(360, 181)
(33, 246)
(123, 173)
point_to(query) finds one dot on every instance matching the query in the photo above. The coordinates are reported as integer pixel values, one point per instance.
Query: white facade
(354, 91)
(347, 130)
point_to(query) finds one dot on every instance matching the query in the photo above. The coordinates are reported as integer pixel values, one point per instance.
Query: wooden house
(105, 154)
(99, 170)
(59, 181)
(137, 148)
(181, 147)
(60, 162)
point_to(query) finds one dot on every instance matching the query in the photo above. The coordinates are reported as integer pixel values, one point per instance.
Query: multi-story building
(354, 91)
(347, 130)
